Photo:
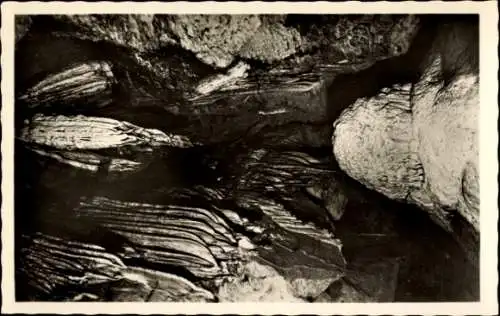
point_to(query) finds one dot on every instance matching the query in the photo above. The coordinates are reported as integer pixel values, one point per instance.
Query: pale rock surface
(373, 143)
(259, 283)
(215, 39)
(272, 43)
(446, 125)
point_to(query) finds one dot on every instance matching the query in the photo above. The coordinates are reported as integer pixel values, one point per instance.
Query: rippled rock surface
(82, 83)
(94, 143)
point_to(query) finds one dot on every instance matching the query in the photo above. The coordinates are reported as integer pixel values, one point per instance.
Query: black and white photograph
(226, 157)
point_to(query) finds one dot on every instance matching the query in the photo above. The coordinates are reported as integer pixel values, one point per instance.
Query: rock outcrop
(141, 32)
(96, 144)
(218, 40)
(272, 43)
(373, 37)
(215, 39)
(418, 142)
(84, 85)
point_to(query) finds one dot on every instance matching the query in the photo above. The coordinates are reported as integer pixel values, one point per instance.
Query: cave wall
(230, 119)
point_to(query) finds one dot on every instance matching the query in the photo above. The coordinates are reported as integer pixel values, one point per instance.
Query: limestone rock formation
(218, 40)
(215, 39)
(376, 134)
(448, 134)
(96, 144)
(418, 142)
(272, 43)
(356, 37)
(259, 283)
(78, 85)
(87, 272)
(140, 32)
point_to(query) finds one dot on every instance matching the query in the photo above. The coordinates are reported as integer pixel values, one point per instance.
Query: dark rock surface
(23, 24)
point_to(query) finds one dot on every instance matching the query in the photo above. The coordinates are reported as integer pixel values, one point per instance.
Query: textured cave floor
(431, 265)
(379, 237)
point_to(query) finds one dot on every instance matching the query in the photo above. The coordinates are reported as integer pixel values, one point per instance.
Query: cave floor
(408, 256)
(394, 252)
